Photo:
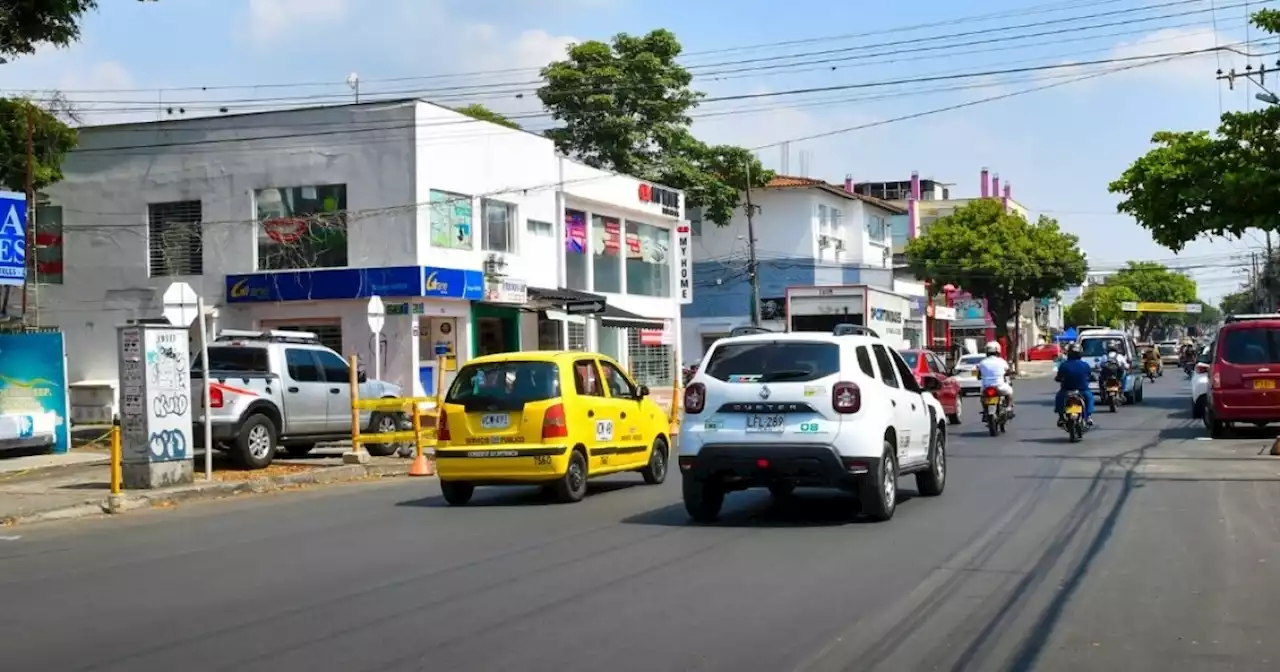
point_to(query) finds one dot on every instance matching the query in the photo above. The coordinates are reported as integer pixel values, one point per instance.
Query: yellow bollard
(354, 382)
(117, 471)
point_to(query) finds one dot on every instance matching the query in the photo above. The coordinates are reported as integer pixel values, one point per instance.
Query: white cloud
(1163, 69)
(268, 21)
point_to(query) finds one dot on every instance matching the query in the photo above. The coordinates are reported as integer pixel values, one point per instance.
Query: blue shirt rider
(1074, 374)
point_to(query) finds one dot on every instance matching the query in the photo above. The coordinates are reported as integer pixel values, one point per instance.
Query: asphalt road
(1142, 548)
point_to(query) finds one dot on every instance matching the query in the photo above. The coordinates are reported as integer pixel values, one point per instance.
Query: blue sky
(1058, 148)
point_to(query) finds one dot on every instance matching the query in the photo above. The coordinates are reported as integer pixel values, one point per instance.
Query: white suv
(787, 410)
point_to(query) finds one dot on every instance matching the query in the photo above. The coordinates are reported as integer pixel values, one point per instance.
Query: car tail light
(1202, 368)
(695, 398)
(1216, 377)
(990, 392)
(442, 427)
(553, 423)
(846, 397)
(215, 397)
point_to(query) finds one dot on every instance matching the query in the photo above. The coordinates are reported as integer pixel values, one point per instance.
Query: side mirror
(362, 377)
(931, 384)
(643, 392)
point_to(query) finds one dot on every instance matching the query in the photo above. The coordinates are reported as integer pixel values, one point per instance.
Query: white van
(1093, 347)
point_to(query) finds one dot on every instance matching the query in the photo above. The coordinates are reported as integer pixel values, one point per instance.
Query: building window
(174, 238)
(575, 249)
(302, 227)
(577, 336)
(837, 226)
(650, 364)
(48, 233)
(451, 220)
(606, 260)
(539, 229)
(695, 221)
(499, 226)
(877, 228)
(648, 261)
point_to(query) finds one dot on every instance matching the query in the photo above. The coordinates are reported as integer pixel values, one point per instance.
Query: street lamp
(1268, 97)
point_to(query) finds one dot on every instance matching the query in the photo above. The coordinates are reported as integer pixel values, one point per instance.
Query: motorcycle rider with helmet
(1116, 364)
(1073, 375)
(994, 372)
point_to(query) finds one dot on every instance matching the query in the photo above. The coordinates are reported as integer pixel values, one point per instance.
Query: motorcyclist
(994, 372)
(1151, 357)
(1073, 375)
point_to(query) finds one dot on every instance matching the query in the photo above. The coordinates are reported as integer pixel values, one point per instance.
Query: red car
(928, 364)
(1045, 352)
(1244, 374)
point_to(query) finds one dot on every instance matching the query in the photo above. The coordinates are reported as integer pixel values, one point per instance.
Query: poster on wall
(634, 248)
(33, 384)
(606, 236)
(451, 217)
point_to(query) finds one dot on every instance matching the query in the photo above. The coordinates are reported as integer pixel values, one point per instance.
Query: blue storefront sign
(13, 238)
(33, 385)
(355, 283)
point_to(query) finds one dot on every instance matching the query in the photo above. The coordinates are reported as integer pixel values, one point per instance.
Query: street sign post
(584, 307)
(377, 320)
(182, 306)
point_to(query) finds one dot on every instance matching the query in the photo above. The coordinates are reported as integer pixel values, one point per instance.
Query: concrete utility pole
(752, 269)
(30, 259)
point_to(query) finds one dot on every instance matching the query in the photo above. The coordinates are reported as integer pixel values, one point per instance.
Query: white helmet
(993, 348)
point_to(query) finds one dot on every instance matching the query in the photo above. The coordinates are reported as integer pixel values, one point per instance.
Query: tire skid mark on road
(433, 574)
(872, 640)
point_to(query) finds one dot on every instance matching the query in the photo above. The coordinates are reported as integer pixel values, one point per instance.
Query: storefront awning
(620, 319)
(570, 301)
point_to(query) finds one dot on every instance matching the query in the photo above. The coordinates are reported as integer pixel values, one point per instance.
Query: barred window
(175, 240)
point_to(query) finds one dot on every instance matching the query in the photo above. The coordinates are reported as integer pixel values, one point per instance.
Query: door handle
(591, 414)
(293, 389)
(335, 390)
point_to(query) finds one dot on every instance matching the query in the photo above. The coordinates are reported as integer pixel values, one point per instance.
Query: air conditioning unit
(824, 242)
(839, 246)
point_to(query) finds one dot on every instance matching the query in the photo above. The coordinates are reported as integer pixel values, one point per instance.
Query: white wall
(112, 177)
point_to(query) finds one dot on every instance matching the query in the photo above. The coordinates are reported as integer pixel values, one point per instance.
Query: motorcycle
(995, 410)
(1112, 393)
(1152, 369)
(1073, 416)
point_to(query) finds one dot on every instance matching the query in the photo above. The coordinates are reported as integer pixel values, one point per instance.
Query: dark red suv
(1244, 374)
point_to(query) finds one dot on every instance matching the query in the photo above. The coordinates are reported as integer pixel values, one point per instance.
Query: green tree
(25, 24)
(1195, 183)
(1153, 282)
(998, 256)
(624, 106)
(51, 137)
(1207, 317)
(1099, 305)
(1241, 302)
(482, 113)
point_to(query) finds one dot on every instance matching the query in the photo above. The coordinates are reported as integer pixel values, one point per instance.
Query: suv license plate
(1264, 384)
(765, 423)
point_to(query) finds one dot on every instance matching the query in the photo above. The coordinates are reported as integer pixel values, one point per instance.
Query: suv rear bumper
(755, 465)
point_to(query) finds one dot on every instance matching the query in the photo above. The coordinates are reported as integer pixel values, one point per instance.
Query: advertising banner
(33, 385)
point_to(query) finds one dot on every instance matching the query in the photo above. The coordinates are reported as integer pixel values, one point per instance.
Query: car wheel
(256, 444)
(656, 471)
(931, 483)
(457, 493)
(1217, 428)
(879, 491)
(1197, 409)
(702, 500)
(572, 487)
(382, 423)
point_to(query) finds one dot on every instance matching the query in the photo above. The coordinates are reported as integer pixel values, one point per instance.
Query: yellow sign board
(1154, 307)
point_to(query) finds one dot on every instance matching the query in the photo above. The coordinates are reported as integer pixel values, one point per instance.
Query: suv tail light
(442, 427)
(846, 397)
(695, 398)
(215, 397)
(553, 423)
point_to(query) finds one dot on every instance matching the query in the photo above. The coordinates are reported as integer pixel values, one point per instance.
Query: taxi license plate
(991, 401)
(765, 423)
(1074, 410)
(495, 421)
(1264, 384)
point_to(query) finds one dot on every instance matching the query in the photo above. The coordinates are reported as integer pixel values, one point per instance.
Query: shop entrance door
(491, 336)
(497, 329)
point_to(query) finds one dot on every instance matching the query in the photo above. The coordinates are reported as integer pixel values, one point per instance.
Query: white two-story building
(808, 233)
(478, 238)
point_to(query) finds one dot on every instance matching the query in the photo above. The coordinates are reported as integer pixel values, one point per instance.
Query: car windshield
(912, 357)
(1095, 347)
(773, 361)
(512, 382)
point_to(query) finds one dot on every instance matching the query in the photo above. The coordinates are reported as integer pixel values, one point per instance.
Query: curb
(139, 500)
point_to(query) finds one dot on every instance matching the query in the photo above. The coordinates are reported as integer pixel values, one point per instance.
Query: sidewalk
(77, 484)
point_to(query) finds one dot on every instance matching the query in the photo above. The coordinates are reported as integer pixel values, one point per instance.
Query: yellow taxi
(550, 418)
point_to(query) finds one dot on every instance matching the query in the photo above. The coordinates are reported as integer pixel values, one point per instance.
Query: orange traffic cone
(422, 466)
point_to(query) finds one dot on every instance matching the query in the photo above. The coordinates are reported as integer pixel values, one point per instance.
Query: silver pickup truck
(272, 389)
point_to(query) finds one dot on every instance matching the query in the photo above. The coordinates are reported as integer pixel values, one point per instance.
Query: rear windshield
(505, 383)
(913, 358)
(1097, 347)
(235, 359)
(1168, 350)
(1254, 345)
(972, 359)
(770, 361)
